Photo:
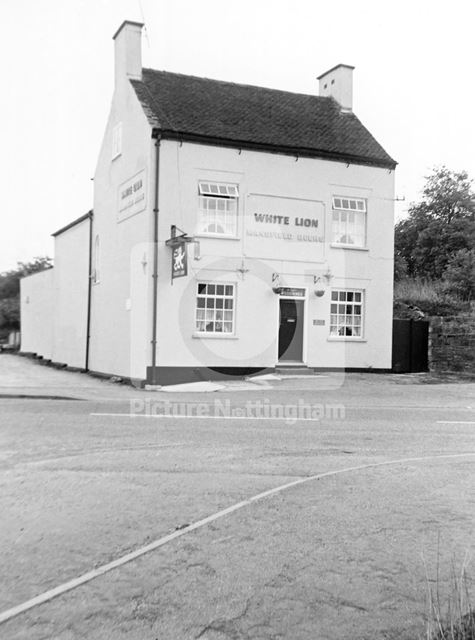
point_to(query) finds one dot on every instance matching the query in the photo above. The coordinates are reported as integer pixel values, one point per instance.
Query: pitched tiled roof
(216, 112)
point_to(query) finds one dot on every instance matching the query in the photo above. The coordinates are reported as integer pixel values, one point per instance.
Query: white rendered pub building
(235, 229)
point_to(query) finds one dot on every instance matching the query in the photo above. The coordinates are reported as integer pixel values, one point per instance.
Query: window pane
(346, 316)
(211, 303)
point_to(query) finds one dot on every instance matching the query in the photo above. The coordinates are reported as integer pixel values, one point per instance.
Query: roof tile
(201, 108)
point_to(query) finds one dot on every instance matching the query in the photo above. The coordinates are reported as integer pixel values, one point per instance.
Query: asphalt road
(350, 553)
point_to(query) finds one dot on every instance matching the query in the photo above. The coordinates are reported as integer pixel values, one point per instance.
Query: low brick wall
(452, 343)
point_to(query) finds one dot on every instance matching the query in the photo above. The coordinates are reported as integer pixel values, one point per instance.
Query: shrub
(430, 297)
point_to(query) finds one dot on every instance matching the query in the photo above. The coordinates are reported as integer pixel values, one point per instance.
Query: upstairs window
(117, 140)
(349, 221)
(96, 271)
(215, 304)
(346, 314)
(218, 206)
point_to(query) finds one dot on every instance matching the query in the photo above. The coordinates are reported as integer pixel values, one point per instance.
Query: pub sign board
(284, 228)
(179, 260)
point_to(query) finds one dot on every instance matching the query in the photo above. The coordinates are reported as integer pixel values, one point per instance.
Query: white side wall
(121, 308)
(37, 313)
(255, 342)
(71, 292)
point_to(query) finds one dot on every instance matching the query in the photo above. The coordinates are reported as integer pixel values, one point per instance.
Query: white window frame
(117, 140)
(218, 203)
(345, 322)
(345, 213)
(213, 309)
(96, 272)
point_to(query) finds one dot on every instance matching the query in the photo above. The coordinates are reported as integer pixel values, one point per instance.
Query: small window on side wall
(96, 271)
(117, 140)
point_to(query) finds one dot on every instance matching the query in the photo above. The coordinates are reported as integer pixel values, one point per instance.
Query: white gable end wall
(37, 313)
(71, 295)
(120, 304)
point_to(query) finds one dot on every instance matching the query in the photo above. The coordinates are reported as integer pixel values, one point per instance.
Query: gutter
(89, 215)
(156, 135)
(297, 152)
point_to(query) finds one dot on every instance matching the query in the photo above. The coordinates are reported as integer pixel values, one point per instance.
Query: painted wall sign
(132, 196)
(319, 323)
(289, 228)
(179, 260)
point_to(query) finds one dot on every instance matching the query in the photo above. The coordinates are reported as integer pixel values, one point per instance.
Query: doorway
(291, 330)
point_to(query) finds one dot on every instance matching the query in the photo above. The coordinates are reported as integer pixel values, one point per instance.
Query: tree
(439, 226)
(459, 275)
(10, 291)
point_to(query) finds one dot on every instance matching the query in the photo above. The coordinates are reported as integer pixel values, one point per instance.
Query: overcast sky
(413, 85)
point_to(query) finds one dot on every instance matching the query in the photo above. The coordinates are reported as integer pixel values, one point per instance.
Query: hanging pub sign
(179, 259)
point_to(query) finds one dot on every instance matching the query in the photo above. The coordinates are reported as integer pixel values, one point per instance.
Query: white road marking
(91, 575)
(192, 417)
(455, 422)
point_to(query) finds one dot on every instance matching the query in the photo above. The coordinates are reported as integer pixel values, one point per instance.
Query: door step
(294, 370)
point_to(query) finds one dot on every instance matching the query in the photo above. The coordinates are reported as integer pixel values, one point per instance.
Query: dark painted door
(291, 330)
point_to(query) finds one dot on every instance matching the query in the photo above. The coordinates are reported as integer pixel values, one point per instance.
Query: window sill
(214, 336)
(345, 339)
(216, 236)
(335, 245)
